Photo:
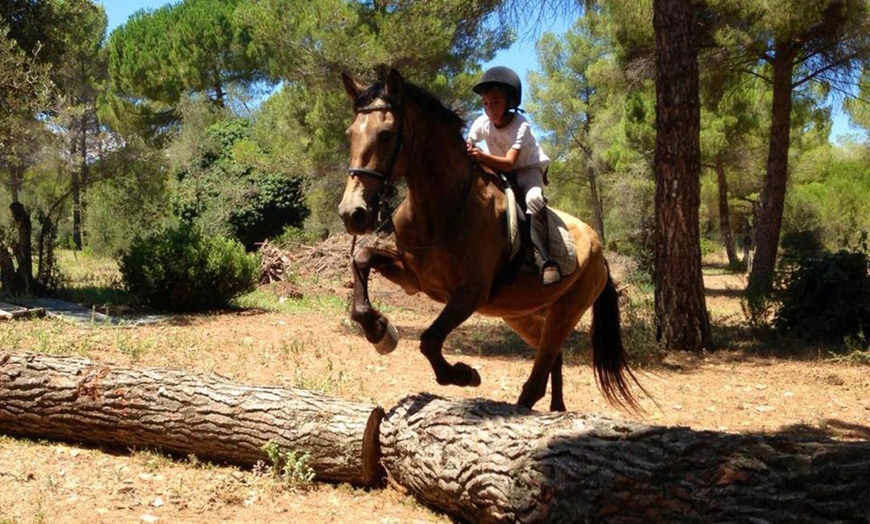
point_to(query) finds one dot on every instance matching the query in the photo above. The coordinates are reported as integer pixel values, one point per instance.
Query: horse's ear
(395, 86)
(350, 86)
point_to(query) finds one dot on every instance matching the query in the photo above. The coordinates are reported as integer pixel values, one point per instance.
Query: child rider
(512, 147)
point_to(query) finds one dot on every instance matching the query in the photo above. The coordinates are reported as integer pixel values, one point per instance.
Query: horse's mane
(428, 103)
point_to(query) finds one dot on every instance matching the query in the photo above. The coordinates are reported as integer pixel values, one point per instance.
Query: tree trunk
(16, 177)
(597, 203)
(681, 311)
(80, 183)
(22, 249)
(484, 462)
(769, 223)
(7, 270)
(725, 212)
(76, 190)
(46, 242)
(591, 172)
(74, 399)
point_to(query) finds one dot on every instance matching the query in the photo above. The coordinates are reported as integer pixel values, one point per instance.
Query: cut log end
(373, 472)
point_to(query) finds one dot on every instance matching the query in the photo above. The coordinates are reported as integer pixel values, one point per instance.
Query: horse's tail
(609, 360)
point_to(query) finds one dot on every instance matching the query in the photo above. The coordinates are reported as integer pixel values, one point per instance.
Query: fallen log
(476, 460)
(78, 400)
(483, 461)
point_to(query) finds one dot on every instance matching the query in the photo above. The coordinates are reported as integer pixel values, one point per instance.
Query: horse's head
(375, 139)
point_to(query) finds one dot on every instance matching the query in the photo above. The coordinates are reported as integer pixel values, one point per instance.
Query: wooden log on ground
(476, 460)
(483, 461)
(78, 400)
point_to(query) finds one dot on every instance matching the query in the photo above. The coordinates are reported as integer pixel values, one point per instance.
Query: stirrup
(550, 273)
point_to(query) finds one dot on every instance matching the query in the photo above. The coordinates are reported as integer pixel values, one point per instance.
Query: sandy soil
(318, 348)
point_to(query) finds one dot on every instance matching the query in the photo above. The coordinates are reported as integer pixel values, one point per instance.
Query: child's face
(495, 106)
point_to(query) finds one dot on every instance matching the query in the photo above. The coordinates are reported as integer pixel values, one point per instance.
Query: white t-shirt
(516, 135)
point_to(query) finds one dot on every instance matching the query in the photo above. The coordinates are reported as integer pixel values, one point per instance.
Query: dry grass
(310, 343)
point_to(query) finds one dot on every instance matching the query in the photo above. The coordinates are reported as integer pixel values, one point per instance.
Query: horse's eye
(385, 136)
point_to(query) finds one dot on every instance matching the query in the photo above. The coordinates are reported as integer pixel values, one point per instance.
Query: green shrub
(796, 246)
(182, 270)
(230, 187)
(709, 246)
(273, 204)
(827, 298)
(291, 467)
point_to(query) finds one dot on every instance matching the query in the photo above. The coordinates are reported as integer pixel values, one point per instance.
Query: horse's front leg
(377, 328)
(457, 310)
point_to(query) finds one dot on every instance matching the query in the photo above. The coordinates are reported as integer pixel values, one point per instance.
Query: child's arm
(501, 163)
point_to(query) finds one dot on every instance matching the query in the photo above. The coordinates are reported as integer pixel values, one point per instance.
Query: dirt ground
(731, 390)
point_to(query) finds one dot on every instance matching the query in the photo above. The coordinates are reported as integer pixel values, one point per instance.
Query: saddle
(561, 245)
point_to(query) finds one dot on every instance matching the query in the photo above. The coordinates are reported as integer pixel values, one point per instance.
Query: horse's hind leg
(547, 333)
(546, 359)
(455, 312)
(530, 328)
(557, 400)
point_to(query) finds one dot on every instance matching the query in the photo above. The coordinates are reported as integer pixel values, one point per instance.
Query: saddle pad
(513, 221)
(562, 248)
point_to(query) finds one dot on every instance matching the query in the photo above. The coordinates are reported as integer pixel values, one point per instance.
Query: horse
(451, 244)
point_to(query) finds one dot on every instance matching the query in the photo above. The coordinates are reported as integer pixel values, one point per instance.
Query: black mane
(427, 102)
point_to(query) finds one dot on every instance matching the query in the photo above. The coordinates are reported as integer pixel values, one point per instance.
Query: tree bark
(590, 170)
(74, 399)
(483, 461)
(725, 211)
(597, 203)
(22, 249)
(680, 306)
(45, 246)
(769, 220)
(76, 181)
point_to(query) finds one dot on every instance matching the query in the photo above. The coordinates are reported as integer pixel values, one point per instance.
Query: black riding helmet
(505, 78)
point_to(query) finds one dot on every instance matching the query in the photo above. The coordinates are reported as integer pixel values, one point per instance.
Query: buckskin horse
(452, 244)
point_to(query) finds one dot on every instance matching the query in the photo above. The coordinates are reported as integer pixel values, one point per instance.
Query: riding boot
(540, 234)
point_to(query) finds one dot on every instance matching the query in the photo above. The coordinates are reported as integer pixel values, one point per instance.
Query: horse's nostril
(358, 217)
(355, 221)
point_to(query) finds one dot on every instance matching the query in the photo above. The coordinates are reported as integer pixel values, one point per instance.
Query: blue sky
(118, 11)
(521, 56)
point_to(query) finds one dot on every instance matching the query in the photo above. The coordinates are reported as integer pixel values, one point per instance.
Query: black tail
(609, 360)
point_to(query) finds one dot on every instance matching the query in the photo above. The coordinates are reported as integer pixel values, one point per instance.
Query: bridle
(388, 187)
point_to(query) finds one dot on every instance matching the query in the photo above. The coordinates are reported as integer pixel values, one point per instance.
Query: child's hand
(474, 153)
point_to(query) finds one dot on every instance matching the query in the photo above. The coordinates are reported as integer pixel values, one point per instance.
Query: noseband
(388, 189)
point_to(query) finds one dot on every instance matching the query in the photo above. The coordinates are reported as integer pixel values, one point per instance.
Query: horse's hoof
(389, 341)
(475, 379)
(528, 399)
(467, 375)
(558, 407)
